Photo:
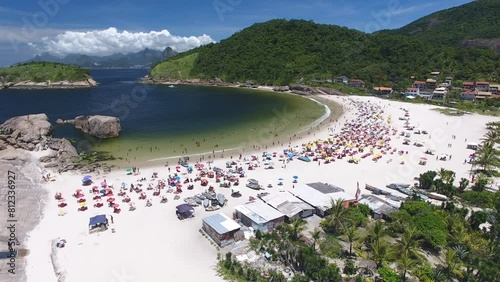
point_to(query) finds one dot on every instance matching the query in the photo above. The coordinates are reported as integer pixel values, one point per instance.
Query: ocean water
(159, 122)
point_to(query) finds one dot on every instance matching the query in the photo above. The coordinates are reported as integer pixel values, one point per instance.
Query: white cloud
(110, 41)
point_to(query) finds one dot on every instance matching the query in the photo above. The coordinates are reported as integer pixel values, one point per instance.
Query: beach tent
(98, 222)
(184, 211)
(472, 146)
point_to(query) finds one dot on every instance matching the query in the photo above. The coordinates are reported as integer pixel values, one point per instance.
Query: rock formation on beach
(99, 126)
(51, 84)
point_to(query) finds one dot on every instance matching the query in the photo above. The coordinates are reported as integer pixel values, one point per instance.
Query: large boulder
(25, 131)
(99, 126)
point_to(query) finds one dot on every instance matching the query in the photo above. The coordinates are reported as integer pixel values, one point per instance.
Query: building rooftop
(382, 88)
(325, 188)
(259, 212)
(318, 199)
(377, 204)
(221, 223)
(286, 203)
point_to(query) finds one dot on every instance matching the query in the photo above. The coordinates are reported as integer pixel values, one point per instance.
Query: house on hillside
(259, 216)
(468, 95)
(483, 86)
(483, 95)
(439, 93)
(468, 86)
(430, 84)
(342, 79)
(412, 91)
(495, 89)
(419, 84)
(435, 74)
(357, 83)
(448, 80)
(381, 90)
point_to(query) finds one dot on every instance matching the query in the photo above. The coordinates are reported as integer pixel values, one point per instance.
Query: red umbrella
(109, 200)
(78, 190)
(62, 201)
(177, 167)
(115, 205)
(95, 187)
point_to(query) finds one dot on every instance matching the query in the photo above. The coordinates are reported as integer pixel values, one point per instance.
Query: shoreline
(175, 241)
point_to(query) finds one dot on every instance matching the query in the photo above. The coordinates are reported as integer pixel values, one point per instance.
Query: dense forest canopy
(282, 51)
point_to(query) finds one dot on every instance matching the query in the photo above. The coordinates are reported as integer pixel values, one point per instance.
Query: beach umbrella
(291, 155)
(109, 200)
(78, 190)
(62, 200)
(295, 177)
(87, 177)
(103, 191)
(177, 178)
(128, 170)
(124, 184)
(103, 183)
(115, 205)
(82, 204)
(177, 167)
(280, 179)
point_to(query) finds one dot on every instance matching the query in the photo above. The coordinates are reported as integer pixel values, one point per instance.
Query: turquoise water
(160, 121)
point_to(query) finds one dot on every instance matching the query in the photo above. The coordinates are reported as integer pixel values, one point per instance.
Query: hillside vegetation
(175, 69)
(43, 71)
(279, 52)
(452, 27)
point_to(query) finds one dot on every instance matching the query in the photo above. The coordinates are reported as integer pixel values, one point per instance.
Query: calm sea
(160, 121)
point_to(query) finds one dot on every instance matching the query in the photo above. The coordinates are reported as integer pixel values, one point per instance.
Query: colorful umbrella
(295, 177)
(109, 200)
(115, 205)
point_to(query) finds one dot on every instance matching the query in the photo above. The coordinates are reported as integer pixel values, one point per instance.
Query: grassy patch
(43, 71)
(176, 68)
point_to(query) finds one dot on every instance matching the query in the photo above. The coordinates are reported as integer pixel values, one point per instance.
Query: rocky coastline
(50, 84)
(32, 133)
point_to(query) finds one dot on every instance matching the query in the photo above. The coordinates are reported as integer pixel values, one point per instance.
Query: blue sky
(28, 28)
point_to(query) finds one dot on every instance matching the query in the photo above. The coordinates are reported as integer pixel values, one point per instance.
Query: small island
(45, 75)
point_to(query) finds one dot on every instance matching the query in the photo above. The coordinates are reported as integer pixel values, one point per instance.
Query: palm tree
(451, 261)
(337, 215)
(405, 263)
(316, 235)
(351, 234)
(296, 225)
(380, 252)
(447, 176)
(376, 232)
(410, 241)
(488, 157)
(492, 136)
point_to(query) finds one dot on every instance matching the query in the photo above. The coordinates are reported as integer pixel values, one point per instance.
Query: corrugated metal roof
(325, 188)
(259, 212)
(287, 204)
(377, 204)
(221, 223)
(318, 199)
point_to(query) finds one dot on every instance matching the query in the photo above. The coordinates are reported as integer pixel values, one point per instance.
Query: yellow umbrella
(61, 212)
(82, 204)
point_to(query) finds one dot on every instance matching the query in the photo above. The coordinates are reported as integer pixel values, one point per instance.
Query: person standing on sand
(112, 221)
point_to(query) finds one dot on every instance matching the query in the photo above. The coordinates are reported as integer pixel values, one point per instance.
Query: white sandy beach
(151, 244)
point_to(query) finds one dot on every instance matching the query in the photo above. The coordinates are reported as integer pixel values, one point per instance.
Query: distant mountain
(472, 24)
(145, 58)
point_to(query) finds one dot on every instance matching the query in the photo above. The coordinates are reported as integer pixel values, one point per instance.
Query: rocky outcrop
(302, 89)
(31, 133)
(25, 132)
(281, 88)
(99, 126)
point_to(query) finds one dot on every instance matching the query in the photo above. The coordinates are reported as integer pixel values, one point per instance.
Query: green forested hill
(281, 51)
(452, 27)
(43, 71)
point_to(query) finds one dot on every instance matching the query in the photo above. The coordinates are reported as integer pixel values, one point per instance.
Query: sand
(151, 244)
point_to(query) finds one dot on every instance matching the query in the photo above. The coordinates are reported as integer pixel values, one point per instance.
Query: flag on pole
(358, 191)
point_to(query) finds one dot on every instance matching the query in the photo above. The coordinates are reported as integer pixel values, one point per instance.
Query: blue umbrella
(269, 154)
(295, 177)
(103, 191)
(280, 179)
(190, 166)
(177, 178)
(124, 184)
(291, 155)
(87, 177)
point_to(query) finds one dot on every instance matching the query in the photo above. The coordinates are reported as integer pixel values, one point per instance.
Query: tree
(351, 235)
(405, 263)
(447, 176)
(477, 218)
(409, 241)
(487, 157)
(316, 235)
(296, 225)
(337, 215)
(480, 183)
(463, 185)
(380, 252)
(426, 180)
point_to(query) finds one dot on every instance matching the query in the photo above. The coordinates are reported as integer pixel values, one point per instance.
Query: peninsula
(45, 75)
